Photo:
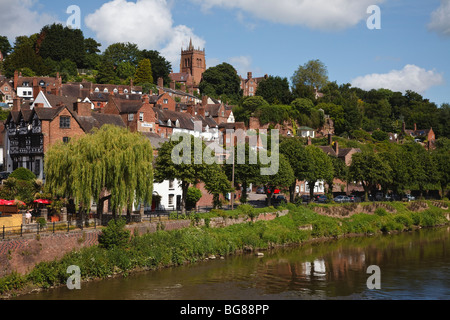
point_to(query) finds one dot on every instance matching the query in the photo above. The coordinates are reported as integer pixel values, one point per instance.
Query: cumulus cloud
(411, 77)
(147, 23)
(440, 19)
(21, 18)
(315, 14)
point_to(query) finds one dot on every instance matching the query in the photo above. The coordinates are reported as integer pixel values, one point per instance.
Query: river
(413, 266)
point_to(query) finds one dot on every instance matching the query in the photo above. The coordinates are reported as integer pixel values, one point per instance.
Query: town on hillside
(342, 122)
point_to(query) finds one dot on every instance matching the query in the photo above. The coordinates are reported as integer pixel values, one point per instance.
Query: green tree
(58, 43)
(441, 157)
(313, 74)
(247, 108)
(111, 159)
(303, 105)
(143, 72)
(122, 52)
(275, 90)
(193, 196)
(5, 46)
(219, 185)
(294, 151)
(369, 169)
(282, 179)
(115, 235)
(161, 68)
(222, 82)
(23, 174)
(320, 168)
(126, 71)
(107, 74)
(181, 159)
(23, 56)
(246, 168)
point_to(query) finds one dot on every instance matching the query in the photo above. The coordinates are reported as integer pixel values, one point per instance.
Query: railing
(91, 221)
(50, 227)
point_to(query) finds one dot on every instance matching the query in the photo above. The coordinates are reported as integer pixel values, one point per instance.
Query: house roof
(97, 120)
(155, 139)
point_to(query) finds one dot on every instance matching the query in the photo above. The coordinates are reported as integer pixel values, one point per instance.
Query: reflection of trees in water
(340, 268)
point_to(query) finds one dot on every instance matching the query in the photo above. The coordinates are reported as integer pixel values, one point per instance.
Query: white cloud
(20, 18)
(242, 64)
(147, 23)
(440, 19)
(411, 77)
(315, 14)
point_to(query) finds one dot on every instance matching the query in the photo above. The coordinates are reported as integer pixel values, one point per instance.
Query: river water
(412, 266)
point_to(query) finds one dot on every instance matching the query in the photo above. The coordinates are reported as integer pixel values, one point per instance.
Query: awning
(42, 201)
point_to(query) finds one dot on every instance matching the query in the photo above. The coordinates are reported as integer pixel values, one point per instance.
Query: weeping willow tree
(111, 163)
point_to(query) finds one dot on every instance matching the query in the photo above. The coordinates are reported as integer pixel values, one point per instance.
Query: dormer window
(169, 123)
(115, 90)
(125, 91)
(97, 90)
(105, 90)
(177, 124)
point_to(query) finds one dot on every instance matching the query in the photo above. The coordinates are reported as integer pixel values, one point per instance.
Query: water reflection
(413, 266)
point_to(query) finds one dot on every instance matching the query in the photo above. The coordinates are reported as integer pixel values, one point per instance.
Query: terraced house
(32, 128)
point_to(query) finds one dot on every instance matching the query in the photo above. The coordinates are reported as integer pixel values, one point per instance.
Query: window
(6, 89)
(66, 139)
(171, 198)
(171, 185)
(64, 122)
(105, 90)
(166, 101)
(141, 117)
(130, 117)
(125, 91)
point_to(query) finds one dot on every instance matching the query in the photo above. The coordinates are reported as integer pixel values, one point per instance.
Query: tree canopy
(111, 159)
(222, 82)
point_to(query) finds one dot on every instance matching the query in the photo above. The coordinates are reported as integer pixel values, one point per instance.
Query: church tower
(193, 61)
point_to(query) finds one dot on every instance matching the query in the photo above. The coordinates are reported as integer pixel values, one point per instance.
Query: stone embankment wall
(22, 254)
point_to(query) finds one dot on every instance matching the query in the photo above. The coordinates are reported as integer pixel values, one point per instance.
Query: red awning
(42, 201)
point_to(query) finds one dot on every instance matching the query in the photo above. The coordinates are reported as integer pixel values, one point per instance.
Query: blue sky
(410, 51)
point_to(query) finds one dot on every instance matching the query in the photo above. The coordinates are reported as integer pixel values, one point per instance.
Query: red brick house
(31, 129)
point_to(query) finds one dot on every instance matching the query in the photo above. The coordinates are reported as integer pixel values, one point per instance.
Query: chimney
(145, 99)
(161, 82)
(204, 101)
(190, 110)
(336, 148)
(330, 139)
(201, 112)
(84, 109)
(404, 127)
(36, 88)
(38, 105)
(17, 102)
(249, 75)
(172, 85)
(16, 79)
(183, 87)
(415, 127)
(309, 141)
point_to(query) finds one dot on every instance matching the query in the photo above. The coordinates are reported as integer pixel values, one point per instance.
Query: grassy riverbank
(172, 248)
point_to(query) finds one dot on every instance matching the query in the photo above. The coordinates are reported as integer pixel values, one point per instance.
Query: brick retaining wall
(22, 254)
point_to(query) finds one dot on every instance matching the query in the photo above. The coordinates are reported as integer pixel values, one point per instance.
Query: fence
(76, 222)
